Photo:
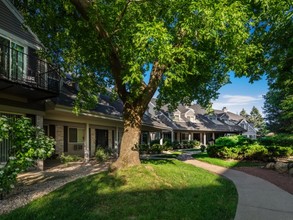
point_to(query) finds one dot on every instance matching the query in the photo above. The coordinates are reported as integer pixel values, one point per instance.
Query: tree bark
(129, 155)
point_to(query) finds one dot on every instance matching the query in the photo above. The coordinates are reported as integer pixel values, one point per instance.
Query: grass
(226, 163)
(157, 189)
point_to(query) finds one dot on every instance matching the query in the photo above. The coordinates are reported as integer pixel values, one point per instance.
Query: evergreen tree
(244, 114)
(257, 120)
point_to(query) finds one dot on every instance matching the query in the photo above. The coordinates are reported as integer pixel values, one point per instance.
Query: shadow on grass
(158, 161)
(138, 193)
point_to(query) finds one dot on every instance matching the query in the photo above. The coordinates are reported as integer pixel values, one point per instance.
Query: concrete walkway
(257, 199)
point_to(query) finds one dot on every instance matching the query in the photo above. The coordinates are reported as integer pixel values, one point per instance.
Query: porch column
(40, 124)
(200, 138)
(189, 136)
(161, 138)
(149, 138)
(213, 136)
(116, 138)
(87, 143)
(204, 139)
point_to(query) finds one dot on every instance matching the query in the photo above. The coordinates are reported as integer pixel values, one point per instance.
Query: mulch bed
(284, 181)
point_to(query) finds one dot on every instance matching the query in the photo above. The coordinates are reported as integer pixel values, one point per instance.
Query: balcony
(25, 75)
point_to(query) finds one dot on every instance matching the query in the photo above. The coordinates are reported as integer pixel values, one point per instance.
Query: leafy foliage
(28, 144)
(101, 154)
(238, 147)
(284, 140)
(69, 158)
(181, 48)
(232, 141)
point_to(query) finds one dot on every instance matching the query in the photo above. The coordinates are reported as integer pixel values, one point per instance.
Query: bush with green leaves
(250, 152)
(194, 144)
(203, 148)
(29, 143)
(232, 141)
(156, 148)
(254, 152)
(101, 154)
(278, 151)
(284, 140)
(69, 158)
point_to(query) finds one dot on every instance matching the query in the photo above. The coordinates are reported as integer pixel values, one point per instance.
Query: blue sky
(242, 94)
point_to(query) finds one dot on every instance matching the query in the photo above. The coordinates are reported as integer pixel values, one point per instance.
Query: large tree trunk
(129, 155)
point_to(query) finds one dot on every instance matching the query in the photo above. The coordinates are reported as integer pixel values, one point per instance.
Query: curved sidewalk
(257, 199)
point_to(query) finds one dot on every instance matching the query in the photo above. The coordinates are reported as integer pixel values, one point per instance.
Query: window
(184, 136)
(190, 118)
(12, 61)
(75, 135)
(176, 117)
(17, 61)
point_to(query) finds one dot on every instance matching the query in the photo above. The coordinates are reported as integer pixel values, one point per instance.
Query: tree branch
(155, 78)
(119, 19)
(82, 6)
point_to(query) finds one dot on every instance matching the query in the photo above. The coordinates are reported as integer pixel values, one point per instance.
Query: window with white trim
(76, 135)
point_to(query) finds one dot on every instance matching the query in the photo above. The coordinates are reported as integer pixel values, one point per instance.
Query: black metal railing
(28, 69)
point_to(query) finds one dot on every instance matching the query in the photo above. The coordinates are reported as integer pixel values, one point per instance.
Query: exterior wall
(59, 140)
(251, 132)
(10, 23)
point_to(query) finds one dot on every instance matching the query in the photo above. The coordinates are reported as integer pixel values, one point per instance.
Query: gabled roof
(202, 121)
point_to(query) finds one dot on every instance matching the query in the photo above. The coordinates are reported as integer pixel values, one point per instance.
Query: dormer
(212, 117)
(176, 115)
(190, 115)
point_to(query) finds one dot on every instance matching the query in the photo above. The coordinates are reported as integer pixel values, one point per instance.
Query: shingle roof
(106, 105)
(202, 121)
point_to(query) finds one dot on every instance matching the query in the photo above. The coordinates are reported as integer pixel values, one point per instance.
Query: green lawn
(226, 163)
(158, 189)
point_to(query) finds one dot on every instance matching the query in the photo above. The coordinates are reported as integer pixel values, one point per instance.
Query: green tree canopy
(243, 113)
(184, 48)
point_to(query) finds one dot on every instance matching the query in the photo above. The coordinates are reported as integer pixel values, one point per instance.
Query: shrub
(283, 140)
(202, 148)
(156, 148)
(29, 143)
(69, 158)
(157, 141)
(278, 151)
(194, 144)
(255, 152)
(212, 150)
(168, 144)
(101, 154)
(232, 141)
(142, 148)
(229, 153)
(176, 144)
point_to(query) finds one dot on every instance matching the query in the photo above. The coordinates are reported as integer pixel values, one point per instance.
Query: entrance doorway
(102, 138)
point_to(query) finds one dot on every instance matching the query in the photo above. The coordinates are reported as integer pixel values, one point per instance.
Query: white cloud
(231, 100)
(235, 103)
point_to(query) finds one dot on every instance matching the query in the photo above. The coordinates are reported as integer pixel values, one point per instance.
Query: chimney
(224, 109)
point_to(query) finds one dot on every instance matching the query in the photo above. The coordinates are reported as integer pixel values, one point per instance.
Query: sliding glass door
(17, 61)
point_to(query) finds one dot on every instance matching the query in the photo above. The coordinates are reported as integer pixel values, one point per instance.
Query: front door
(101, 138)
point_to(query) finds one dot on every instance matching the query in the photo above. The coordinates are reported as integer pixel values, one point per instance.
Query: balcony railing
(27, 69)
